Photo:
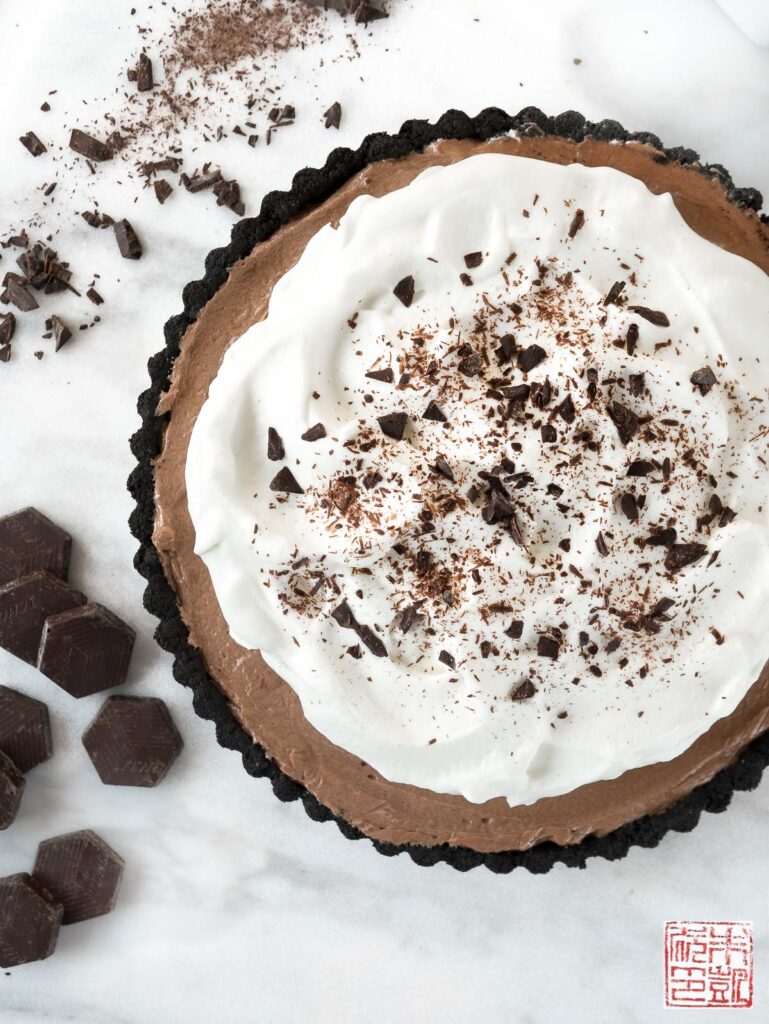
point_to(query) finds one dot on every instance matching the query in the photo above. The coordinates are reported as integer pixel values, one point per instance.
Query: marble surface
(234, 906)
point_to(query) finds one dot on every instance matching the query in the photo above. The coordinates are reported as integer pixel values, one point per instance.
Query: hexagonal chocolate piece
(31, 543)
(132, 741)
(25, 604)
(11, 788)
(29, 921)
(81, 872)
(25, 730)
(86, 650)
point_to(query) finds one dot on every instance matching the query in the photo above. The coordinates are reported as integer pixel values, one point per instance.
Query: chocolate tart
(257, 713)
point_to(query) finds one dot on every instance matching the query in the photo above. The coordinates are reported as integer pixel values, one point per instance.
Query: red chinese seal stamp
(709, 963)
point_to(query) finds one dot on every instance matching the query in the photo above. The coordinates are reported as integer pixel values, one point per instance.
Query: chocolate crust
(310, 187)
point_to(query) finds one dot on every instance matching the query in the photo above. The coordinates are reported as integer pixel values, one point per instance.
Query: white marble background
(234, 906)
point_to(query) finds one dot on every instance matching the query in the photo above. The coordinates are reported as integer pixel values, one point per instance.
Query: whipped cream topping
(523, 543)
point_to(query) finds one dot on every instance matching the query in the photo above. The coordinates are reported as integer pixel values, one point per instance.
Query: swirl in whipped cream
(523, 544)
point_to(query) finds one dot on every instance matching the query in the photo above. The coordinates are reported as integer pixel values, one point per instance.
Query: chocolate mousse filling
(265, 706)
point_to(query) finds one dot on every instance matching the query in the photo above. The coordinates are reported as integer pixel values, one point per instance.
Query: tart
(451, 490)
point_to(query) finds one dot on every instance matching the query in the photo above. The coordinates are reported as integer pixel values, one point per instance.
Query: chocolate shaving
(654, 316)
(404, 290)
(285, 482)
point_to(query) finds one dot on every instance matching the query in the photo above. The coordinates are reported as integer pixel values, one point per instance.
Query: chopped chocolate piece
(367, 636)
(85, 650)
(94, 296)
(32, 144)
(554, 490)
(127, 240)
(132, 741)
(680, 555)
(143, 74)
(466, 280)
(25, 604)
(640, 467)
(625, 420)
(549, 433)
(343, 492)
(366, 12)
(285, 482)
(393, 425)
(404, 290)
(30, 919)
(654, 316)
(507, 348)
(163, 190)
(447, 659)
(275, 449)
(81, 872)
(600, 543)
(228, 194)
(409, 617)
(89, 147)
(515, 629)
(548, 647)
(16, 293)
(565, 409)
(434, 412)
(5, 353)
(97, 220)
(371, 479)
(517, 393)
(7, 327)
(524, 690)
(614, 293)
(200, 182)
(343, 616)
(662, 538)
(637, 383)
(29, 542)
(631, 341)
(314, 433)
(728, 515)
(11, 790)
(442, 467)
(577, 222)
(530, 357)
(473, 259)
(25, 730)
(470, 365)
(61, 333)
(386, 376)
(629, 506)
(355, 652)
(333, 115)
(703, 379)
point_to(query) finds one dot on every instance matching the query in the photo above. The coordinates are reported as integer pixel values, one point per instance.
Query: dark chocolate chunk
(25, 730)
(654, 316)
(507, 348)
(629, 506)
(624, 419)
(16, 292)
(680, 555)
(600, 543)
(662, 538)
(530, 357)
(132, 741)
(29, 542)
(11, 790)
(97, 220)
(515, 629)
(631, 340)
(355, 652)
(614, 293)
(7, 328)
(89, 147)
(5, 353)
(386, 376)
(637, 383)
(198, 182)
(565, 409)
(143, 74)
(703, 379)
(393, 425)
(32, 144)
(524, 690)
(548, 647)
(549, 433)
(275, 449)
(61, 333)
(367, 636)
(94, 296)
(285, 482)
(366, 12)
(86, 650)
(470, 365)
(409, 617)
(404, 290)
(127, 240)
(343, 616)
(473, 259)
(517, 393)
(163, 190)
(228, 194)
(434, 412)
(343, 492)
(577, 222)
(314, 433)
(447, 659)
(25, 605)
(81, 872)
(640, 467)
(444, 469)
(333, 115)
(30, 919)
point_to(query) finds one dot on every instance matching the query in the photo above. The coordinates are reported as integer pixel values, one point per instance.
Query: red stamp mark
(709, 963)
